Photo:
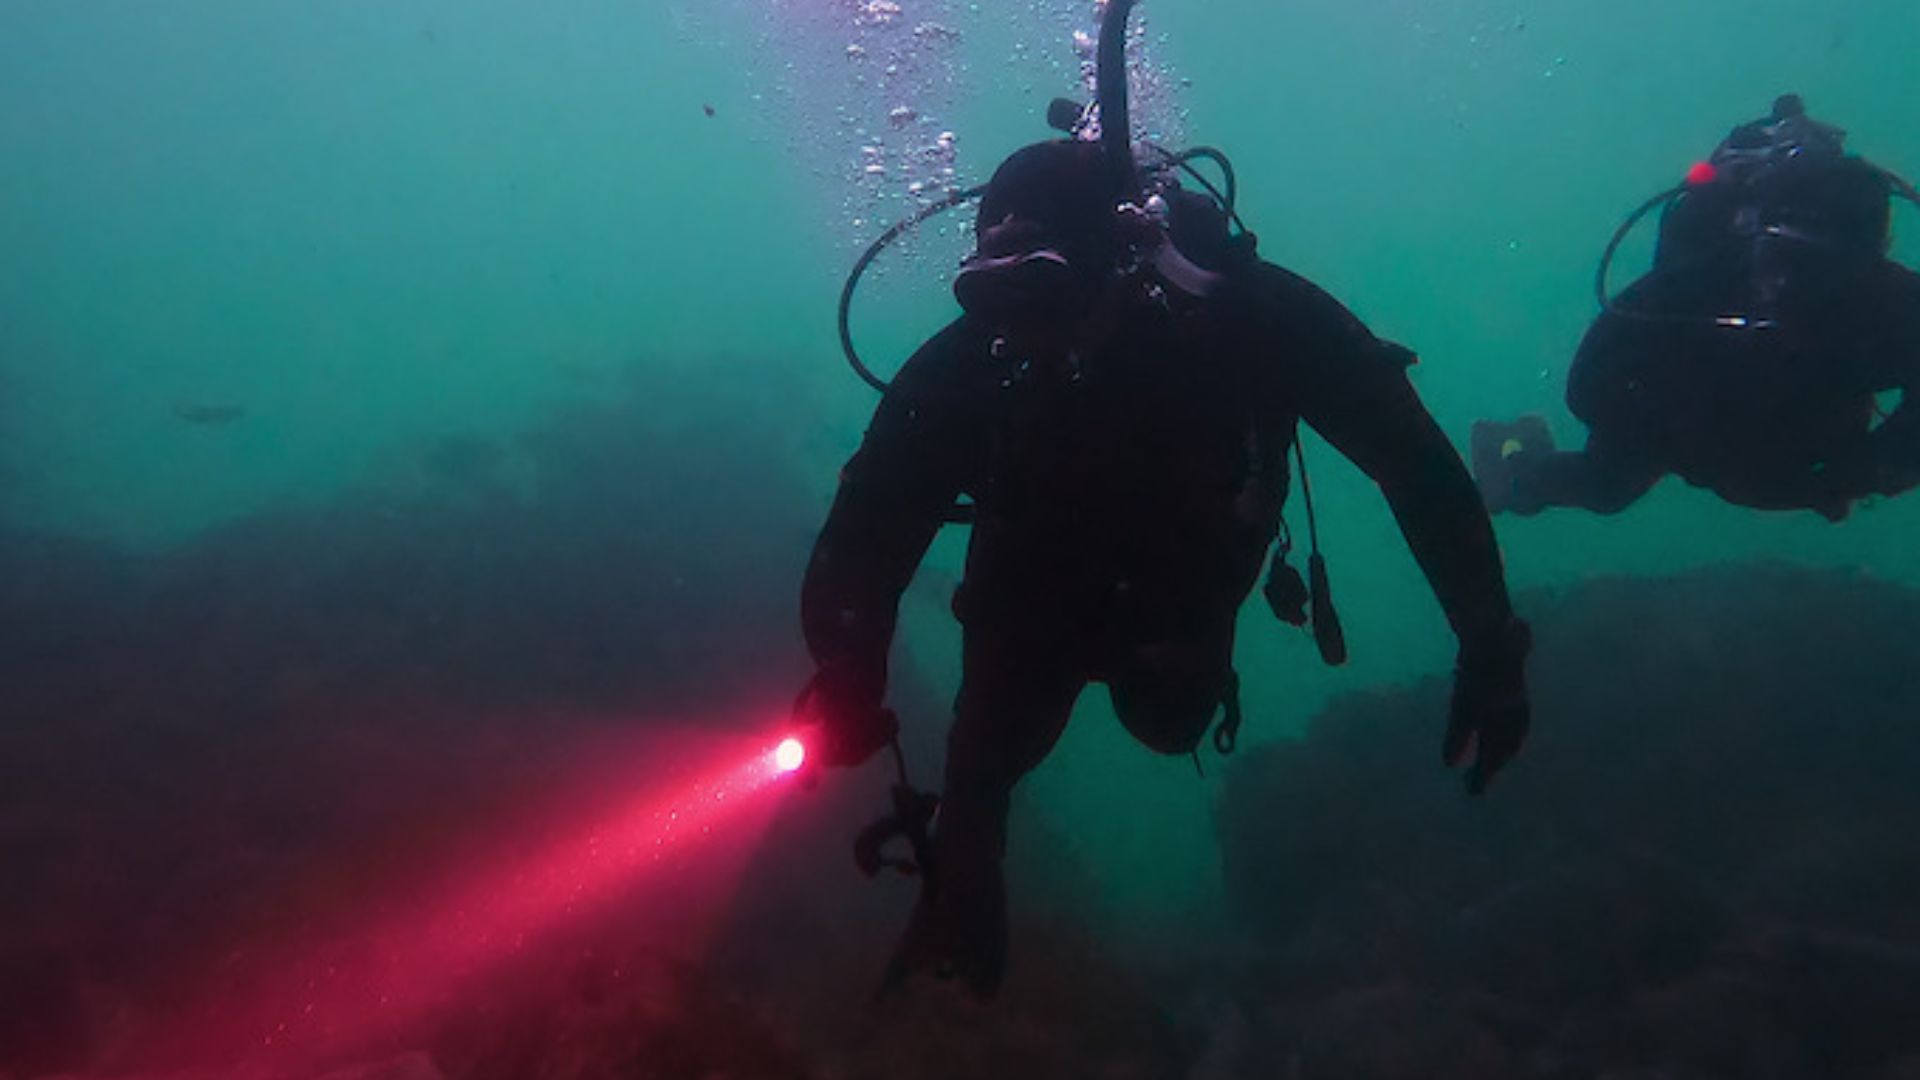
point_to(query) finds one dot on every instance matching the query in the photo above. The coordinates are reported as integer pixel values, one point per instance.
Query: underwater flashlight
(789, 755)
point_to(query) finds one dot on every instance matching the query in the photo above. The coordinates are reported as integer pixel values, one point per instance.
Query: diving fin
(1493, 446)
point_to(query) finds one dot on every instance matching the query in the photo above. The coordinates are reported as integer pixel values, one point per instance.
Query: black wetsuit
(1748, 360)
(1125, 505)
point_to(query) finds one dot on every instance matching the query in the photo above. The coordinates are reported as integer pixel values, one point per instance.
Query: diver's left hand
(1490, 714)
(844, 717)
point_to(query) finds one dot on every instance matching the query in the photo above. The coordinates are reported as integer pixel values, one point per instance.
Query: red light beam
(329, 999)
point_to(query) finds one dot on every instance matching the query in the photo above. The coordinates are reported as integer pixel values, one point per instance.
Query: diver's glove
(843, 707)
(1490, 714)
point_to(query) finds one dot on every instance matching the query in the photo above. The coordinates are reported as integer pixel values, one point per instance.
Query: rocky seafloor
(1707, 863)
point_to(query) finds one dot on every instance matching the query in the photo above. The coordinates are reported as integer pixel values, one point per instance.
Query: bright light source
(789, 755)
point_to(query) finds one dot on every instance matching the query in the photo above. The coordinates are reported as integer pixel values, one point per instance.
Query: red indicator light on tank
(1703, 172)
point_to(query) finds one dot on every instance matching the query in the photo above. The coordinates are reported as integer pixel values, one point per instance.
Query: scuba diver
(1750, 358)
(1118, 400)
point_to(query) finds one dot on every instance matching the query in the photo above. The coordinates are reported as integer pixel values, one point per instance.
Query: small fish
(708, 109)
(209, 415)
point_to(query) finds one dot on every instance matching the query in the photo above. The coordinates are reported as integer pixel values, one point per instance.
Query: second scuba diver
(1119, 399)
(1749, 360)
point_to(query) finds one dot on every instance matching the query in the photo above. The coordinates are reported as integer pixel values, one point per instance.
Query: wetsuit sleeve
(893, 497)
(1353, 389)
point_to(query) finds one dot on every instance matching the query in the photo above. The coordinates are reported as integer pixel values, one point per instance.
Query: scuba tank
(1731, 195)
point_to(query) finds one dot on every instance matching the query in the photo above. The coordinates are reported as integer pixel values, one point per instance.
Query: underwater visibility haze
(416, 420)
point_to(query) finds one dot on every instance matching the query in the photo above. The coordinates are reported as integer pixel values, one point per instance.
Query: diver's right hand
(846, 721)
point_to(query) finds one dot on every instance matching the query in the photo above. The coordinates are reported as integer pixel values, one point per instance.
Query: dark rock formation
(1704, 865)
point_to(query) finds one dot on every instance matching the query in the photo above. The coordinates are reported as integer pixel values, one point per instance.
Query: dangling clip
(911, 820)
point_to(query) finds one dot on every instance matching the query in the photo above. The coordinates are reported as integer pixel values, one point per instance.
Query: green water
(373, 224)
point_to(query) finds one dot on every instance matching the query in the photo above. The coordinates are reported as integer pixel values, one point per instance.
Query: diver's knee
(1168, 719)
(1176, 736)
(1619, 491)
